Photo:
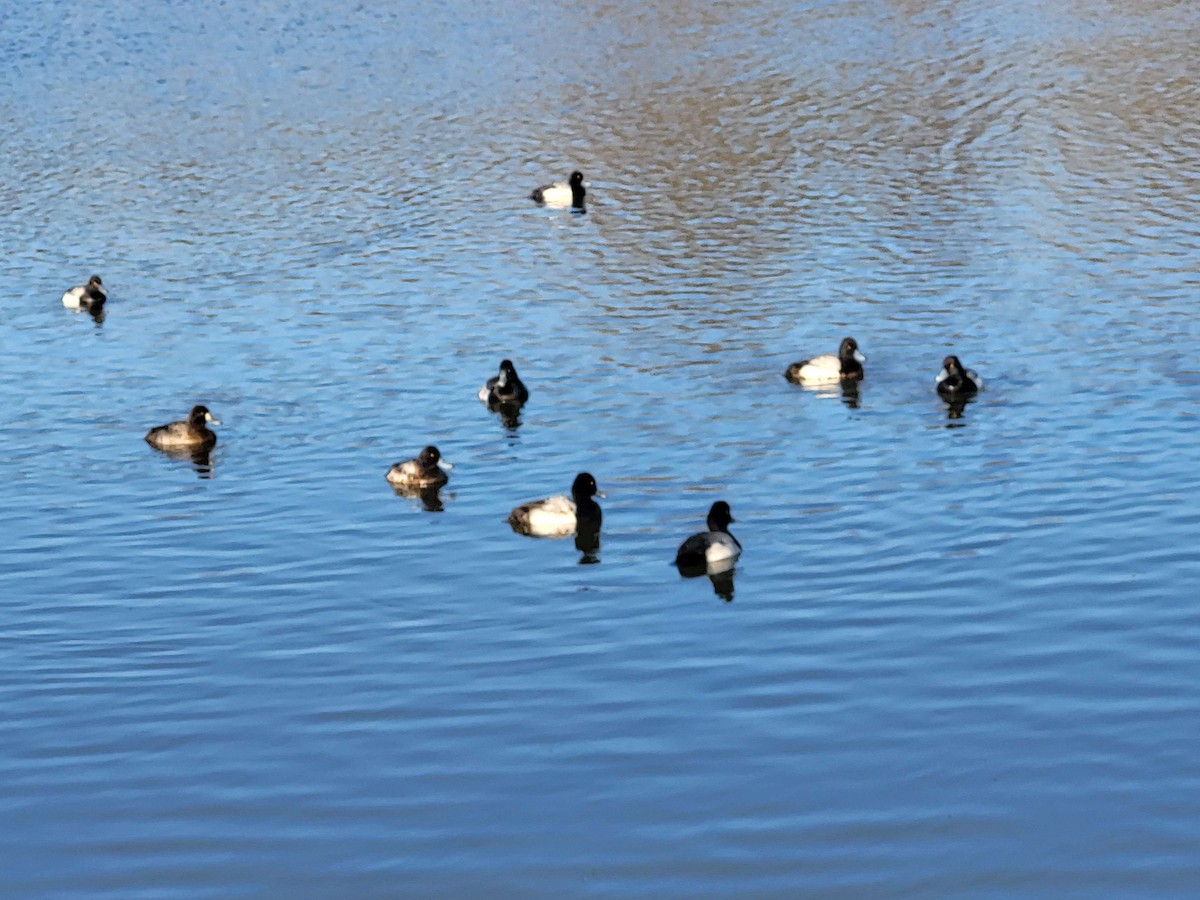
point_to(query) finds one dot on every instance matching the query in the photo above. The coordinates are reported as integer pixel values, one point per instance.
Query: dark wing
(692, 551)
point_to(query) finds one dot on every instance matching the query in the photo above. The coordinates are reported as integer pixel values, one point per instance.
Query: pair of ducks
(556, 516)
(953, 382)
(193, 432)
(559, 195)
(707, 552)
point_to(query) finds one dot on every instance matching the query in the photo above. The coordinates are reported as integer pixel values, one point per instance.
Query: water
(960, 655)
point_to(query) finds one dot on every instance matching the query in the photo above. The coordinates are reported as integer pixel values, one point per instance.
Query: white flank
(552, 517)
(821, 370)
(176, 437)
(721, 548)
(404, 472)
(557, 195)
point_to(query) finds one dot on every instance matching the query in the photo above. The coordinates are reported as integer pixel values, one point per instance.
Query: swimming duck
(87, 296)
(561, 194)
(193, 433)
(504, 389)
(955, 381)
(561, 515)
(427, 470)
(828, 368)
(713, 547)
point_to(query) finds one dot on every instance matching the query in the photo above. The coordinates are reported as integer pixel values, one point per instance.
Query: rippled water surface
(961, 652)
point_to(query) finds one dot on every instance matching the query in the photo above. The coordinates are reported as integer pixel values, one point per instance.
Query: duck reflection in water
(509, 415)
(955, 407)
(562, 516)
(720, 574)
(200, 458)
(849, 392)
(429, 495)
(850, 395)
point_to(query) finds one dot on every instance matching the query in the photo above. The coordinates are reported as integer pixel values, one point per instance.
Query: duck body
(560, 516)
(87, 296)
(505, 388)
(955, 380)
(191, 434)
(715, 547)
(428, 469)
(561, 194)
(829, 368)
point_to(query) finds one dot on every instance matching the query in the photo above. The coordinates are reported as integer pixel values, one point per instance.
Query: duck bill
(859, 356)
(445, 466)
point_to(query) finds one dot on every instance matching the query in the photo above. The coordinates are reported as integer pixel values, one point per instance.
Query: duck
(715, 547)
(845, 366)
(561, 515)
(561, 194)
(190, 434)
(427, 470)
(504, 389)
(956, 381)
(87, 296)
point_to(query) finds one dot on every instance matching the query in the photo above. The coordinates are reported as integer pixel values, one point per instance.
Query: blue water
(961, 652)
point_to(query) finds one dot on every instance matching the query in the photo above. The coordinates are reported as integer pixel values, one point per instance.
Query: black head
(507, 367)
(952, 365)
(199, 415)
(578, 191)
(429, 457)
(847, 348)
(95, 279)
(584, 486)
(719, 516)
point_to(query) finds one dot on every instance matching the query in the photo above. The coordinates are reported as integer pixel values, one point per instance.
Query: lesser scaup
(561, 515)
(715, 547)
(87, 296)
(956, 381)
(828, 368)
(427, 470)
(504, 389)
(561, 194)
(193, 433)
